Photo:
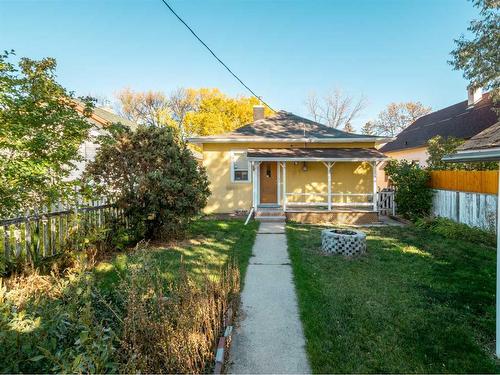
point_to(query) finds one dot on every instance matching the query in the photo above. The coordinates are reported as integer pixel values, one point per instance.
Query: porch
(316, 183)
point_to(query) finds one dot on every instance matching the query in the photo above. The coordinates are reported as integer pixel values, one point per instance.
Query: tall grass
(63, 322)
(174, 328)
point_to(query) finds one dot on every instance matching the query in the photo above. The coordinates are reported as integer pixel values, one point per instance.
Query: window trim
(249, 180)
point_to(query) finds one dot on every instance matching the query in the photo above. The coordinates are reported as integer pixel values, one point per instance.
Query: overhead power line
(214, 55)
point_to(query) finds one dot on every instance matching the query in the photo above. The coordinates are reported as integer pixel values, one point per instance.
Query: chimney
(473, 95)
(258, 112)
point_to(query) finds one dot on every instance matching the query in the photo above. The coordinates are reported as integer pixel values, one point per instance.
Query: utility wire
(214, 55)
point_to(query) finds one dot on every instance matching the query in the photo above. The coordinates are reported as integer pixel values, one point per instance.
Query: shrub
(413, 196)
(50, 324)
(153, 177)
(67, 323)
(457, 231)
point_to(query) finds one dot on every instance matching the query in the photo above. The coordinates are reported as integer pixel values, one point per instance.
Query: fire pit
(343, 241)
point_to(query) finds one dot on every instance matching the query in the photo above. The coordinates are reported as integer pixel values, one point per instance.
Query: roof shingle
(316, 153)
(286, 125)
(458, 120)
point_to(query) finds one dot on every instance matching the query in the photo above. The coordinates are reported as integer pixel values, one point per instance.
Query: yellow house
(286, 165)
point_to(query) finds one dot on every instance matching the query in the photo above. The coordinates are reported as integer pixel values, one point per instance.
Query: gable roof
(488, 138)
(484, 146)
(286, 127)
(458, 120)
(112, 118)
(102, 117)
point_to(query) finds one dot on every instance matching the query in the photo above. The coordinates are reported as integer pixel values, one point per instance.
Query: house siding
(227, 196)
(419, 154)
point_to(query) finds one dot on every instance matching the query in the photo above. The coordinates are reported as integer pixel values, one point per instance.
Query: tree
(214, 112)
(438, 147)
(181, 102)
(398, 116)
(368, 128)
(153, 177)
(348, 128)
(479, 57)
(146, 108)
(336, 109)
(191, 111)
(413, 196)
(40, 134)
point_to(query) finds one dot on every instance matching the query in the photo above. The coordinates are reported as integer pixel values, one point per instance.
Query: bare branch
(337, 109)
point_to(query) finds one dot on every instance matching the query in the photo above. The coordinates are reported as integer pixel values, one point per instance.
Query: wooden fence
(467, 181)
(386, 203)
(43, 233)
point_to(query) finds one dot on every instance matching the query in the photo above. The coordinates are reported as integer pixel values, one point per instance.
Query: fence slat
(6, 242)
(53, 249)
(45, 232)
(467, 181)
(17, 239)
(27, 237)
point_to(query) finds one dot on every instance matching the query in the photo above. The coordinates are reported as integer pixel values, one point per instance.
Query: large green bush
(151, 174)
(413, 196)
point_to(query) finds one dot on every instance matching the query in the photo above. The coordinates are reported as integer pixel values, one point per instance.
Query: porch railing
(368, 203)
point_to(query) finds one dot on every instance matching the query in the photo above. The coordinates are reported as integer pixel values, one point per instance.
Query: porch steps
(270, 215)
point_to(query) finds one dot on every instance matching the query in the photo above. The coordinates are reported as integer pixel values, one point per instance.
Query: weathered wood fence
(485, 182)
(41, 233)
(468, 197)
(473, 209)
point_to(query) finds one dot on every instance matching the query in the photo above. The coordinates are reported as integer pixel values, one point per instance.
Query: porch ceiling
(316, 154)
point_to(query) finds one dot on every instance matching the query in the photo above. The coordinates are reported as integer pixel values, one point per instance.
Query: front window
(240, 167)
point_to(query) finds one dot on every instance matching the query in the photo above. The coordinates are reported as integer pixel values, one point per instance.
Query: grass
(126, 314)
(210, 245)
(415, 303)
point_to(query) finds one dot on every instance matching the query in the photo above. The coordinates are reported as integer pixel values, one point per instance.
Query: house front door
(269, 182)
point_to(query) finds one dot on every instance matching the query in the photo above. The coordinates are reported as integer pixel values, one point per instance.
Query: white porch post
(254, 184)
(278, 172)
(375, 197)
(497, 338)
(284, 186)
(328, 166)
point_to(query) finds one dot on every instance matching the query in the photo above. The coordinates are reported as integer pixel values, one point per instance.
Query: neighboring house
(289, 164)
(100, 118)
(462, 120)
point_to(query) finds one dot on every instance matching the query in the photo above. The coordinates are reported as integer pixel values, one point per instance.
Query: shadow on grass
(213, 243)
(415, 302)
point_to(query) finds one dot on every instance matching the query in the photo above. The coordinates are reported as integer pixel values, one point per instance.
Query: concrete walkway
(268, 336)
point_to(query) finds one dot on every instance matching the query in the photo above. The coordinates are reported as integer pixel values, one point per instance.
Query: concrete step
(269, 213)
(271, 218)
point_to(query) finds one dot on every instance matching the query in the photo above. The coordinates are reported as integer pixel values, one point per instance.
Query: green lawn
(209, 246)
(415, 303)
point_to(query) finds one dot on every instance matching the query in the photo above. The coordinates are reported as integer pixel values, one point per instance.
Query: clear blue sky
(387, 50)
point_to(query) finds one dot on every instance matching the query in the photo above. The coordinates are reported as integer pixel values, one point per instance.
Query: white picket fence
(46, 232)
(385, 202)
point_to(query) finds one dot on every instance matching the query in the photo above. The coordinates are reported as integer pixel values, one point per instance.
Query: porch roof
(316, 154)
